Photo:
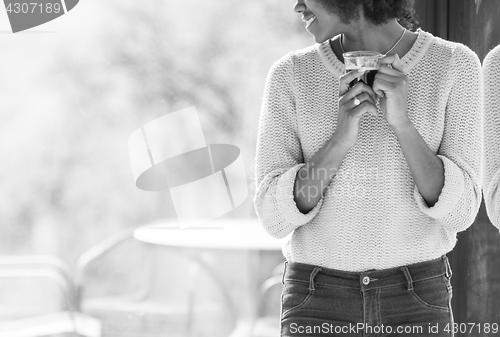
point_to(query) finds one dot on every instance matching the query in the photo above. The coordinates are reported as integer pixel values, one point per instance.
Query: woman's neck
(366, 36)
(369, 37)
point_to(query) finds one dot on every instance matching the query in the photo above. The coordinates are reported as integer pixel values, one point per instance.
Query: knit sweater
(371, 215)
(491, 71)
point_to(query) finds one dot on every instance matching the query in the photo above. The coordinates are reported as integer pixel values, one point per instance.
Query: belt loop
(449, 273)
(409, 280)
(315, 271)
(284, 271)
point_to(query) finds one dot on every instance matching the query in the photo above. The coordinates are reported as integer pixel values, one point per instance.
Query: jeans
(413, 300)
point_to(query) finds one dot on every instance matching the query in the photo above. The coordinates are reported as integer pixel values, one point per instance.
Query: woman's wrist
(402, 128)
(339, 144)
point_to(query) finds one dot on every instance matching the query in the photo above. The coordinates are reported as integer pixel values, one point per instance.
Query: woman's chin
(319, 38)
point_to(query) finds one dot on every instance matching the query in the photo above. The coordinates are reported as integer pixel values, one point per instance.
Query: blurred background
(71, 93)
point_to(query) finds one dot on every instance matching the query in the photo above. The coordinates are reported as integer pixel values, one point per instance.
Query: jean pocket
(295, 295)
(434, 293)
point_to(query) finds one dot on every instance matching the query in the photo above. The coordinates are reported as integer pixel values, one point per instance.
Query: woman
(491, 69)
(373, 198)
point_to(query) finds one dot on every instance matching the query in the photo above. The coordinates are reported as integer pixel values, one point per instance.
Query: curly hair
(376, 11)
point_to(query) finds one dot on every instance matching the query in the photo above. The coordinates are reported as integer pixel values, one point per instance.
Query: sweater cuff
(285, 199)
(451, 193)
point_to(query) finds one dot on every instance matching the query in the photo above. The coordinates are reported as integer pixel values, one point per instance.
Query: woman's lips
(310, 21)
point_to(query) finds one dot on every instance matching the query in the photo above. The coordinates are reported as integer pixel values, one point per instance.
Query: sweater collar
(409, 60)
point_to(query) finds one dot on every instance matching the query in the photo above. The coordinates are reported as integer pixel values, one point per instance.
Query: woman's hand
(353, 103)
(391, 85)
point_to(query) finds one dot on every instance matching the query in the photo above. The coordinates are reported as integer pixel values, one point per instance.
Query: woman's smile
(309, 21)
(319, 22)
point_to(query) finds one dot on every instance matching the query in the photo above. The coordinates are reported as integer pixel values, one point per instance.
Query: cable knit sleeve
(279, 155)
(491, 71)
(460, 148)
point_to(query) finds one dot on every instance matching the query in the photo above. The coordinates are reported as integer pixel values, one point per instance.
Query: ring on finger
(356, 101)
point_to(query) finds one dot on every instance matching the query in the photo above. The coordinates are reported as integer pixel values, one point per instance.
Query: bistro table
(220, 234)
(234, 234)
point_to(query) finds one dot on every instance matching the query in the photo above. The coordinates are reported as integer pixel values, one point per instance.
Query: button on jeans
(413, 300)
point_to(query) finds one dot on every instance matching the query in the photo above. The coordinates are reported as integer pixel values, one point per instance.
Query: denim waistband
(315, 275)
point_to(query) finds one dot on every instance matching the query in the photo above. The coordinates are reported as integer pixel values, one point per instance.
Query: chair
(59, 313)
(120, 287)
(147, 305)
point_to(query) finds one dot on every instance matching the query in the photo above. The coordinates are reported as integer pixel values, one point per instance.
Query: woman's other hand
(353, 103)
(391, 85)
